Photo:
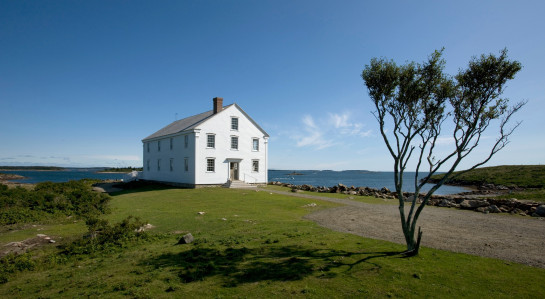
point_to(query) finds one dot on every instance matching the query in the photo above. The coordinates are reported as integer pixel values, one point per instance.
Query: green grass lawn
(529, 177)
(524, 176)
(256, 244)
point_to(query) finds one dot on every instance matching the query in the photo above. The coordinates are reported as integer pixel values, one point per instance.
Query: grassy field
(524, 176)
(256, 244)
(529, 177)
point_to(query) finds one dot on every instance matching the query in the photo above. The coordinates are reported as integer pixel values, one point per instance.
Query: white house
(212, 148)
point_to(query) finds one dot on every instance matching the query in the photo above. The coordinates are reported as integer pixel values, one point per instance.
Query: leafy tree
(417, 100)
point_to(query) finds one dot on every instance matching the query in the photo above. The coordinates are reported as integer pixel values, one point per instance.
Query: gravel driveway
(506, 237)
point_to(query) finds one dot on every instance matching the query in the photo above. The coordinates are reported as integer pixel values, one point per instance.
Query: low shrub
(12, 263)
(19, 205)
(103, 237)
(19, 215)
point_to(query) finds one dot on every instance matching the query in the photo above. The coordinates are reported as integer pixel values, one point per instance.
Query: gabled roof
(190, 123)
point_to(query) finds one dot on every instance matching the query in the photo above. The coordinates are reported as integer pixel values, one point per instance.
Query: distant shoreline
(9, 177)
(113, 171)
(28, 169)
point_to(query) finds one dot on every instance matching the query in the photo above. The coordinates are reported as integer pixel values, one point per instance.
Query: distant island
(294, 173)
(40, 168)
(9, 176)
(121, 169)
(521, 176)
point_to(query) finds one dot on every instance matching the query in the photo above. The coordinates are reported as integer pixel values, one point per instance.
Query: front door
(233, 175)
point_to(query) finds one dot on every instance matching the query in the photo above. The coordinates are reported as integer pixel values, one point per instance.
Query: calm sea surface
(33, 177)
(356, 178)
(326, 178)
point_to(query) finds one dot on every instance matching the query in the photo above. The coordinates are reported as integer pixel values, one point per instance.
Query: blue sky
(82, 82)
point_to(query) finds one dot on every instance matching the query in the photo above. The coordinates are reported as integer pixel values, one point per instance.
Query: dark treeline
(122, 169)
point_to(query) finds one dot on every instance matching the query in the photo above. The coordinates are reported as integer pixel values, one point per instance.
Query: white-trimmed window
(255, 144)
(158, 164)
(158, 145)
(234, 142)
(171, 164)
(186, 141)
(255, 165)
(171, 143)
(147, 164)
(234, 123)
(210, 141)
(210, 164)
(186, 164)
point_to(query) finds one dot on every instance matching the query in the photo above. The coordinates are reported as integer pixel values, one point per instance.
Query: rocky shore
(9, 176)
(481, 200)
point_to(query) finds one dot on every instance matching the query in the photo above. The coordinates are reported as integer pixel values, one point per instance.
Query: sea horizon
(327, 178)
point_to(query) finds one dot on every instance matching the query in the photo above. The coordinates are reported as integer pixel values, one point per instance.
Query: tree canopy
(413, 103)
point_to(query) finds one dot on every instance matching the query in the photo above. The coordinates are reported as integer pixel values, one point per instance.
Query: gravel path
(506, 237)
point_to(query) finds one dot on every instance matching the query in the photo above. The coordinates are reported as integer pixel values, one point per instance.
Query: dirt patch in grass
(24, 246)
(106, 187)
(510, 238)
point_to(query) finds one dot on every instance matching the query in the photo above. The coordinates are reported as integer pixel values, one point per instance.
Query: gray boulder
(473, 204)
(540, 210)
(445, 203)
(186, 239)
(494, 209)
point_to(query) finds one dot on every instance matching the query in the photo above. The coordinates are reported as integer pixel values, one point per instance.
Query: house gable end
(251, 120)
(265, 134)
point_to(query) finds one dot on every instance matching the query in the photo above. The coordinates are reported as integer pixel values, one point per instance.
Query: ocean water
(356, 178)
(33, 177)
(328, 178)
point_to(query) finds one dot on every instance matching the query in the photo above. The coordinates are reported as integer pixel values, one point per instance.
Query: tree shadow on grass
(139, 187)
(243, 265)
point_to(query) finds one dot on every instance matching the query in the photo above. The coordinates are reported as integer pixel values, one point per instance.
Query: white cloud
(339, 121)
(314, 135)
(344, 126)
(444, 140)
(308, 121)
(333, 131)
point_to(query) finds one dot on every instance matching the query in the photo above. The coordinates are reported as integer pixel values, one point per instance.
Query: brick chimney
(218, 104)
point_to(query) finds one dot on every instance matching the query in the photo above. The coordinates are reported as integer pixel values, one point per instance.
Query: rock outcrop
(466, 200)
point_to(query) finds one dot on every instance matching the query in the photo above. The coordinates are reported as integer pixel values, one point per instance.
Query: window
(234, 142)
(171, 164)
(210, 165)
(147, 145)
(186, 164)
(159, 165)
(211, 141)
(255, 165)
(171, 143)
(234, 123)
(147, 163)
(255, 144)
(186, 140)
(159, 145)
